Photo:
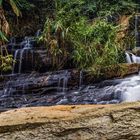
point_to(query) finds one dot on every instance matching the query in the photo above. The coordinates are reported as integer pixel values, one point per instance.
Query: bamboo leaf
(15, 7)
(3, 37)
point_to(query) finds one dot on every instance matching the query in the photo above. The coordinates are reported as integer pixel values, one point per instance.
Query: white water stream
(131, 58)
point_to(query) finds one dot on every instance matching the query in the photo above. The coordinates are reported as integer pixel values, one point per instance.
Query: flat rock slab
(83, 122)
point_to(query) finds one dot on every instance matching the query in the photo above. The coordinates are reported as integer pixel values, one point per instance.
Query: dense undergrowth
(17, 6)
(86, 32)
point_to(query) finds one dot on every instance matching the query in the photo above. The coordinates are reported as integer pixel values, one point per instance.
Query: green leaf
(3, 37)
(1, 2)
(15, 8)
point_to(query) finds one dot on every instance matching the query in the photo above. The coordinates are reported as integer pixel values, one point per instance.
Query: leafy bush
(96, 45)
(16, 6)
(82, 25)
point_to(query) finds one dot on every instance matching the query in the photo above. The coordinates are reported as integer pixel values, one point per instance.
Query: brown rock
(116, 71)
(136, 51)
(87, 122)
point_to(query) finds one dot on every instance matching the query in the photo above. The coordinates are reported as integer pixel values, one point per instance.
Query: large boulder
(87, 122)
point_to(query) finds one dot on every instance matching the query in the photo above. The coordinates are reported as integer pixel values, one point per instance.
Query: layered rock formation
(88, 122)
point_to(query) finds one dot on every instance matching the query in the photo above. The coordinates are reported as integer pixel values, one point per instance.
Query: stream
(25, 90)
(26, 87)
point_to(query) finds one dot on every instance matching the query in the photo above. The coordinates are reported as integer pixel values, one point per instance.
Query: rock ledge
(83, 122)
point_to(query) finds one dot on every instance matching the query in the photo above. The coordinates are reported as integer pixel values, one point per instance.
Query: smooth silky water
(52, 89)
(35, 89)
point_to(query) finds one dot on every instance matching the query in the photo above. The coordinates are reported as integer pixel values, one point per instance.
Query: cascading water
(25, 48)
(41, 89)
(130, 89)
(81, 80)
(7, 89)
(131, 58)
(54, 89)
(15, 59)
(24, 51)
(64, 80)
(128, 58)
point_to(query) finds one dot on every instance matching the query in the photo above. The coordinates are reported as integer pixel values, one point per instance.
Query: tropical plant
(17, 6)
(83, 24)
(96, 45)
(54, 38)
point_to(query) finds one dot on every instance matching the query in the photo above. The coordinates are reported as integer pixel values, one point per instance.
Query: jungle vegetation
(86, 32)
(17, 6)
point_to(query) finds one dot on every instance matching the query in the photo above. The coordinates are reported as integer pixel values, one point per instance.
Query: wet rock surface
(66, 87)
(84, 122)
(27, 88)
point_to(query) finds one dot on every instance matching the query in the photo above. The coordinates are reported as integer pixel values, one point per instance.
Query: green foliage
(6, 62)
(116, 6)
(93, 8)
(3, 37)
(81, 26)
(17, 6)
(96, 44)
(5, 59)
(54, 36)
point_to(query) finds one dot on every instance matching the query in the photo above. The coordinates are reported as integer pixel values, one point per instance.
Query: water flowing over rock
(131, 58)
(62, 87)
(26, 86)
(23, 53)
(28, 56)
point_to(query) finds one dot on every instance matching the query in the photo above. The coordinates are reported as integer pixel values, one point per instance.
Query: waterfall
(131, 58)
(64, 77)
(25, 47)
(21, 58)
(128, 58)
(131, 89)
(15, 59)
